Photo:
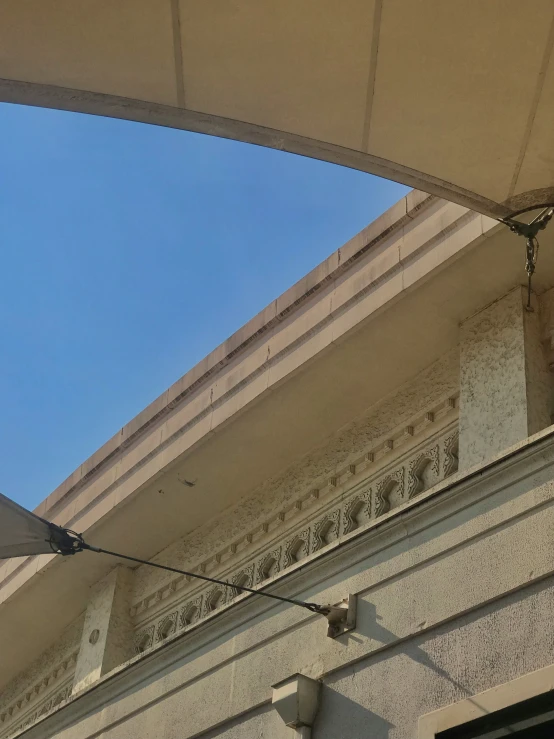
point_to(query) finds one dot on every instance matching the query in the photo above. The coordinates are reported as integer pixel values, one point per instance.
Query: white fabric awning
(453, 98)
(22, 533)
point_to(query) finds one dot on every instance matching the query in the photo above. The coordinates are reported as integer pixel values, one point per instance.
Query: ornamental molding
(167, 626)
(386, 487)
(357, 511)
(396, 467)
(36, 701)
(451, 455)
(424, 466)
(268, 565)
(326, 530)
(190, 613)
(297, 548)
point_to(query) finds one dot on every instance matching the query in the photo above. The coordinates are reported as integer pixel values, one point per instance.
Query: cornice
(292, 300)
(329, 503)
(445, 499)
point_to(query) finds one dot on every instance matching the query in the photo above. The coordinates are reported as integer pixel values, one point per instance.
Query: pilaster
(505, 386)
(107, 639)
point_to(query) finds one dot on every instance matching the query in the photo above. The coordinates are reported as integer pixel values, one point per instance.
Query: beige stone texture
(107, 637)
(55, 653)
(505, 387)
(438, 381)
(344, 390)
(414, 629)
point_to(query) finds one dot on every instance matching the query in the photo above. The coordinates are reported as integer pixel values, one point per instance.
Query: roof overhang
(456, 99)
(368, 319)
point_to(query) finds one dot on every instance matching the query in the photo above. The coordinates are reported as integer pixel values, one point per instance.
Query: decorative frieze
(48, 693)
(423, 471)
(326, 530)
(244, 578)
(167, 626)
(348, 500)
(388, 486)
(450, 463)
(214, 599)
(357, 511)
(144, 639)
(296, 548)
(268, 565)
(190, 613)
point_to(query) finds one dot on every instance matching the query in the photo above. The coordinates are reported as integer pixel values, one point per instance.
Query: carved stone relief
(296, 548)
(423, 471)
(326, 530)
(412, 474)
(190, 612)
(451, 454)
(214, 599)
(268, 566)
(357, 511)
(167, 626)
(144, 639)
(51, 691)
(390, 485)
(244, 578)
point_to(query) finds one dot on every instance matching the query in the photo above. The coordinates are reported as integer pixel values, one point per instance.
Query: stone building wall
(454, 589)
(44, 685)
(443, 563)
(390, 453)
(370, 429)
(407, 441)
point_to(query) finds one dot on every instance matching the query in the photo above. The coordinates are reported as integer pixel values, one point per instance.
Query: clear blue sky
(127, 253)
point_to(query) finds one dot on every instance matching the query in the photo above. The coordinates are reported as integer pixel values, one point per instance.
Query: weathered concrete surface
(367, 340)
(420, 642)
(311, 362)
(107, 637)
(505, 386)
(436, 382)
(388, 693)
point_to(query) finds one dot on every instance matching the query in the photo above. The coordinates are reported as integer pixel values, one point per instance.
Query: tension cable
(73, 543)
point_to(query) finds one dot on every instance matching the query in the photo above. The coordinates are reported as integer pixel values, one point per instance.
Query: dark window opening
(530, 719)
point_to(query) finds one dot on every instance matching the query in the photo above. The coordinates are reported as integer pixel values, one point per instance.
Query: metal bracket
(529, 232)
(341, 617)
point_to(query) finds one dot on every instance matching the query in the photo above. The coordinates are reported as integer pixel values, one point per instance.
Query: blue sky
(127, 253)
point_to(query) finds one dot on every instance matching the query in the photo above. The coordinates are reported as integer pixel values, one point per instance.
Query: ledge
(445, 500)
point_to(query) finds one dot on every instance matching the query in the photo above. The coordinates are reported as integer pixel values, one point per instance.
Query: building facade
(379, 436)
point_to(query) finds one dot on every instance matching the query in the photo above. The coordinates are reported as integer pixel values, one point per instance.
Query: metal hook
(529, 231)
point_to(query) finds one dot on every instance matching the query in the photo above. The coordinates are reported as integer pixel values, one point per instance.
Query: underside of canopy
(454, 98)
(22, 533)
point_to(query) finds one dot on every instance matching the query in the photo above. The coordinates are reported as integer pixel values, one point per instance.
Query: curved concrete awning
(454, 98)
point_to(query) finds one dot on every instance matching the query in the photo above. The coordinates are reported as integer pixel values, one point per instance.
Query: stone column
(505, 386)
(107, 639)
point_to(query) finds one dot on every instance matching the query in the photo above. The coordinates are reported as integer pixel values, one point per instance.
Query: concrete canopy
(454, 98)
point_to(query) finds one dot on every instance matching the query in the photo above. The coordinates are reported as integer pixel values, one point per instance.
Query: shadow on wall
(339, 716)
(347, 718)
(260, 723)
(368, 624)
